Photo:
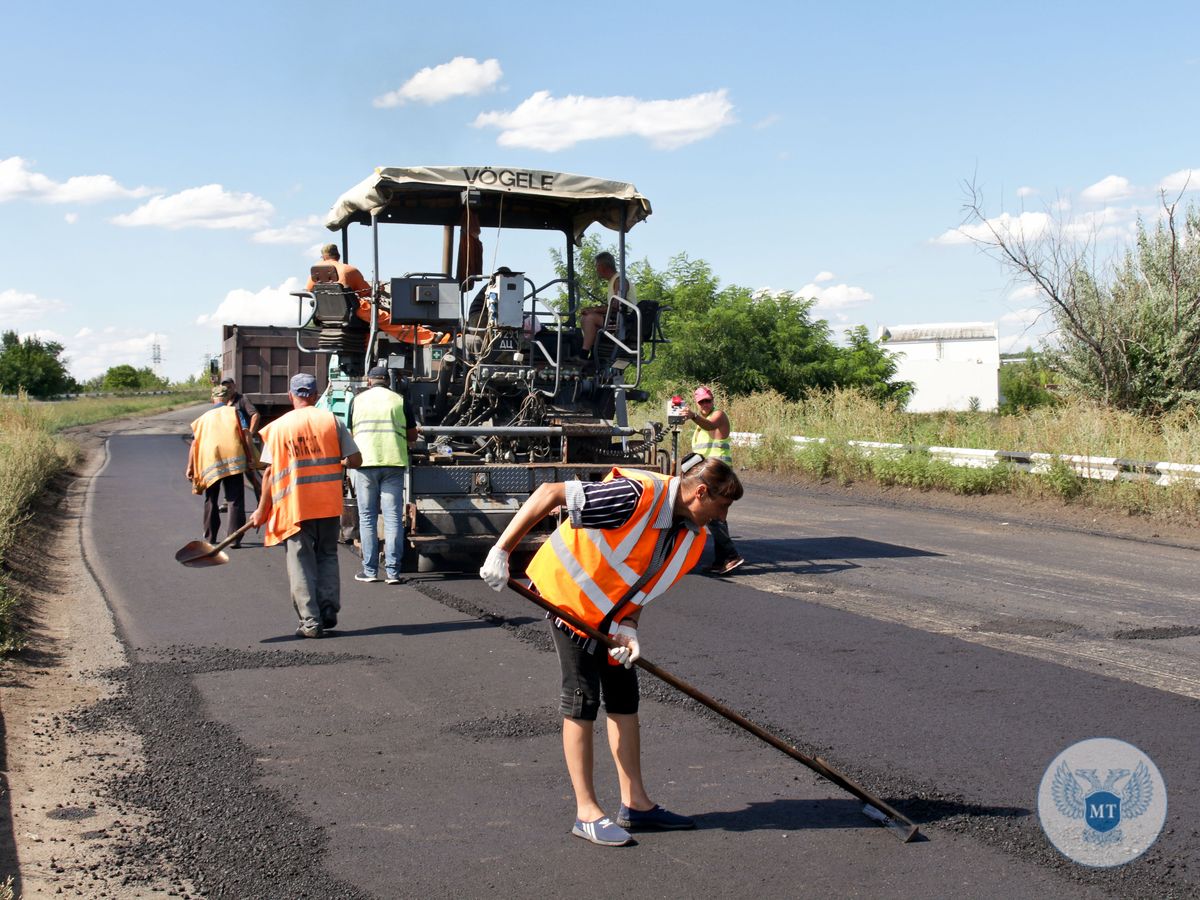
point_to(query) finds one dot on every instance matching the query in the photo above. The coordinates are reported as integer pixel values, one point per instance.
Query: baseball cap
(303, 385)
(378, 372)
(220, 392)
(702, 393)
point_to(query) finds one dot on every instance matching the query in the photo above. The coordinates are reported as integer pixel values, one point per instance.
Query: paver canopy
(512, 198)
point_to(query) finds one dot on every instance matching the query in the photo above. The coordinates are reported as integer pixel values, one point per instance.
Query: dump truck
(262, 358)
(486, 357)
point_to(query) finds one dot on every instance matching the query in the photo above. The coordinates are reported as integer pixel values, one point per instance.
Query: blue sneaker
(656, 818)
(603, 831)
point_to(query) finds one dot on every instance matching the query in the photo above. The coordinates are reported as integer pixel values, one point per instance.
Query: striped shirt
(602, 504)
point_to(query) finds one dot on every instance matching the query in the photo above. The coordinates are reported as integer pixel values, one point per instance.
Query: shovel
(198, 554)
(875, 809)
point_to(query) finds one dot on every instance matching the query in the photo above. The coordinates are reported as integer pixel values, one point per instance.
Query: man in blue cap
(382, 428)
(307, 451)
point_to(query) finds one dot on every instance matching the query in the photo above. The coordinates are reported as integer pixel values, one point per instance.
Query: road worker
(351, 277)
(306, 451)
(594, 318)
(624, 541)
(711, 439)
(348, 276)
(217, 463)
(382, 428)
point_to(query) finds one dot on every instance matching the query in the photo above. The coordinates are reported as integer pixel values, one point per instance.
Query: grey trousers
(312, 567)
(723, 547)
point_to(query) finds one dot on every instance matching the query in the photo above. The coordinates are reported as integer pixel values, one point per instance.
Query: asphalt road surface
(942, 660)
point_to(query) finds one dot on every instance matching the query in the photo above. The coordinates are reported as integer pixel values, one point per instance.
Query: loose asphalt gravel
(415, 753)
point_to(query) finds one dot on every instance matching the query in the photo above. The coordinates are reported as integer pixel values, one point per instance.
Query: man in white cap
(712, 440)
(306, 452)
(382, 428)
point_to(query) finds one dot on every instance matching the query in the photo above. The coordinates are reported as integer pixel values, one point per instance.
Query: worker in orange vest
(624, 541)
(306, 452)
(217, 463)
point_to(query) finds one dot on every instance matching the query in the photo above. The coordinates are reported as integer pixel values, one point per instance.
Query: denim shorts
(588, 677)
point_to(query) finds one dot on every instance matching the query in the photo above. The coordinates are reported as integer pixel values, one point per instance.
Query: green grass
(1068, 428)
(89, 410)
(32, 453)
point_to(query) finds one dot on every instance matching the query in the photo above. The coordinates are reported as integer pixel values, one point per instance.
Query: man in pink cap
(712, 439)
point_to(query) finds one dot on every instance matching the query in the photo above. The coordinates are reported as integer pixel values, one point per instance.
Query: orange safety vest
(218, 450)
(588, 571)
(401, 332)
(306, 471)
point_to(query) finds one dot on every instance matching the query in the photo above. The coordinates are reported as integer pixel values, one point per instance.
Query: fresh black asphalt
(416, 752)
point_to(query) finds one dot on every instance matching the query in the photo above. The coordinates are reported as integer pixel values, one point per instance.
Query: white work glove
(495, 569)
(630, 648)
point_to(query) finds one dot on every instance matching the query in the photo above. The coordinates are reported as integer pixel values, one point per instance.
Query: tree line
(39, 368)
(738, 338)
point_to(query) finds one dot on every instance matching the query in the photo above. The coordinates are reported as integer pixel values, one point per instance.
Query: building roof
(946, 331)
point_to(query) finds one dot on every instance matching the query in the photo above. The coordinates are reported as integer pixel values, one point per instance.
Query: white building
(954, 366)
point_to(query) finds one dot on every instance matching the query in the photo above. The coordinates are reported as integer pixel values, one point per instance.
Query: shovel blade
(199, 554)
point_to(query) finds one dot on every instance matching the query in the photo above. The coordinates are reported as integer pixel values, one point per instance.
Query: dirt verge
(61, 834)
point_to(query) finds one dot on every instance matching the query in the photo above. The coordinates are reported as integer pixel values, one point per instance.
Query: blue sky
(163, 170)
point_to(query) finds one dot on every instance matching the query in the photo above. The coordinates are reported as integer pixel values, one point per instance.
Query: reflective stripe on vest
(587, 571)
(706, 445)
(217, 452)
(378, 424)
(306, 471)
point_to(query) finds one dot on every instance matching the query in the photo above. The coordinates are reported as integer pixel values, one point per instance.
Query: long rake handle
(905, 828)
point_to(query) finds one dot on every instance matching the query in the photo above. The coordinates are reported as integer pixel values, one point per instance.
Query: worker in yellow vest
(711, 440)
(306, 452)
(382, 428)
(624, 542)
(217, 463)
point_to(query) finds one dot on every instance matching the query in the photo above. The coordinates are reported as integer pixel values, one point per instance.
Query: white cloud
(1025, 292)
(210, 206)
(829, 298)
(299, 231)
(71, 218)
(824, 275)
(1109, 223)
(1027, 225)
(1111, 187)
(463, 76)
(1025, 316)
(543, 122)
(269, 306)
(18, 181)
(1026, 192)
(17, 306)
(1183, 180)
(89, 354)
(767, 121)
(836, 296)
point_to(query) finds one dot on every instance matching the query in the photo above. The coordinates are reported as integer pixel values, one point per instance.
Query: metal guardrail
(1100, 468)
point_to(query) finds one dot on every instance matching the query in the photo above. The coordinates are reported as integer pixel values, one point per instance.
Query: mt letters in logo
(1102, 802)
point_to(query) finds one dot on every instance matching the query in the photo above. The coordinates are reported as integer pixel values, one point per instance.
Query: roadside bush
(29, 457)
(1062, 480)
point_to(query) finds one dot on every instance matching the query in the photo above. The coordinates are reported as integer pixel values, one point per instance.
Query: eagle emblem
(1100, 805)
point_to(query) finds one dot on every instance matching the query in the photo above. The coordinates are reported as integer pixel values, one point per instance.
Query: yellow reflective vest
(704, 443)
(379, 426)
(306, 471)
(588, 571)
(218, 450)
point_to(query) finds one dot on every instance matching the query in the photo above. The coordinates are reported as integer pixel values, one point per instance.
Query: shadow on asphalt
(408, 630)
(801, 815)
(788, 815)
(809, 549)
